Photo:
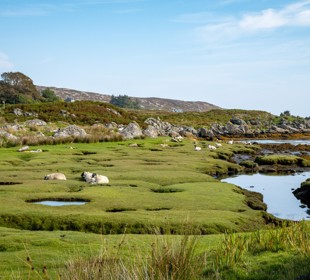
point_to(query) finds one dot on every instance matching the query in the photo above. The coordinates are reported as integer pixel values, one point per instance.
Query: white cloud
(5, 63)
(229, 28)
(297, 14)
(266, 19)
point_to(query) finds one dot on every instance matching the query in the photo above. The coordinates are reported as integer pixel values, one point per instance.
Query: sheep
(100, 179)
(197, 148)
(55, 176)
(94, 178)
(231, 142)
(218, 144)
(88, 176)
(211, 147)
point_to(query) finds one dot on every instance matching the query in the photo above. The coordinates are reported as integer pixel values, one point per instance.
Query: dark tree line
(124, 101)
(16, 87)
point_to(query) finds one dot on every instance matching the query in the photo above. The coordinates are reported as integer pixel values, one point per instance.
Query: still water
(59, 203)
(277, 192)
(279, 141)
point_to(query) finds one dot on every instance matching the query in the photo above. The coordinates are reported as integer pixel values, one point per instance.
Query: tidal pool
(59, 203)
(277, 192)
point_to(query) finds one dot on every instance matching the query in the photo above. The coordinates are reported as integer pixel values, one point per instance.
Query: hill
(146, 103)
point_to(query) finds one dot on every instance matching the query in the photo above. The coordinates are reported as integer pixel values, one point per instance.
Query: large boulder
(71, 130)
(151, 131)
(132, 130)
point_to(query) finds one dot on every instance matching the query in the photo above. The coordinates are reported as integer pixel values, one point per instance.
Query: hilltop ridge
(146, 103)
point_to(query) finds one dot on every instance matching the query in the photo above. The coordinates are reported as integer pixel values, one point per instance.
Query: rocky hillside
(147, 103)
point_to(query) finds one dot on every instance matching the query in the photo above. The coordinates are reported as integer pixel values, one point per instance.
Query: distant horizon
(251, 55)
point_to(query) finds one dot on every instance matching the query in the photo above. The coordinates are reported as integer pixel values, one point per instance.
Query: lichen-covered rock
(35, 122)
(151, 131)
(71, 130)
(8, 136)
(132, 130)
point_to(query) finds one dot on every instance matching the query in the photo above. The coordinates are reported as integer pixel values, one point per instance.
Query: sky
(236, 54)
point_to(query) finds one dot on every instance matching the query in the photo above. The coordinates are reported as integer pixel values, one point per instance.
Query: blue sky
(233, 53)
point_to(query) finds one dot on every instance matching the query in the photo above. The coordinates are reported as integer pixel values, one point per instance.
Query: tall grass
(173, 259)
(180, 258)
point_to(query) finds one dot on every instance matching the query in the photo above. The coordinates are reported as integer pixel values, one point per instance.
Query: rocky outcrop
(155, 127)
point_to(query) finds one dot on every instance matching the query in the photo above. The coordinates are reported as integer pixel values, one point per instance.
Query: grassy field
(153, 190)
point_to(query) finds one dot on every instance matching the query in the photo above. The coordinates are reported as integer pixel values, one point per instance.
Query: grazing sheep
(218, 144)
(94, 178)
(55, 176)
(231, 142)
(211, 147)
(177, 139)
(197, 148)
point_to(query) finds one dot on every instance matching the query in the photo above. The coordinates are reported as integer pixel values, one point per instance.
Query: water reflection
(279, 141)
(277, 192)
(59, 203)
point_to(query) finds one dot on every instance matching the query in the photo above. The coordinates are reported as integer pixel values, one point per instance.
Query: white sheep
(94, 178)
(197, 148)
(231, 142)
(55, 176)
(218, 144)
(87, 176)
(100, 179)
(211, 147)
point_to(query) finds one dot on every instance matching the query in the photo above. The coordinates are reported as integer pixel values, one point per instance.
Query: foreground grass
(282, 253)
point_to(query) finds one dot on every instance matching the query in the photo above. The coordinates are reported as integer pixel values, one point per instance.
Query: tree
(124, 101)
(49, 95)
(16, 87)
(285, 113)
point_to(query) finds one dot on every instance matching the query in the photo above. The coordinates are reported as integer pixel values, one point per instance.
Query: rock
(237, 121)
(131, 131)
(8, 136)
(150, 131)
(18, 112)
(205, 133)
(303, 193)
(71, 130)
(35, 122)
(23, 149)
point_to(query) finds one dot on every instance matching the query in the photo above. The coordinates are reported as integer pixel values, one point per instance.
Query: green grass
(283, 160)
(36, 236)
(174, 178)
(281, 253)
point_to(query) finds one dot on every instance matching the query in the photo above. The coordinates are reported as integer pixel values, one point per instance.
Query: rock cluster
(154, 127)
(234, 128)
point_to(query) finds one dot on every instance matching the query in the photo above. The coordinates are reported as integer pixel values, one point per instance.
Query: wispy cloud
(5, 62)
(228, 28)
(297, 14)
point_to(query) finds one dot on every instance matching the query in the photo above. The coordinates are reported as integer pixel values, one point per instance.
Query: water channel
(279, 141)
(277, 192)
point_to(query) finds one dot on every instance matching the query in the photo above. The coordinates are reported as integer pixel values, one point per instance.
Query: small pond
(59, 203)
(277, 192)
(279, 141)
